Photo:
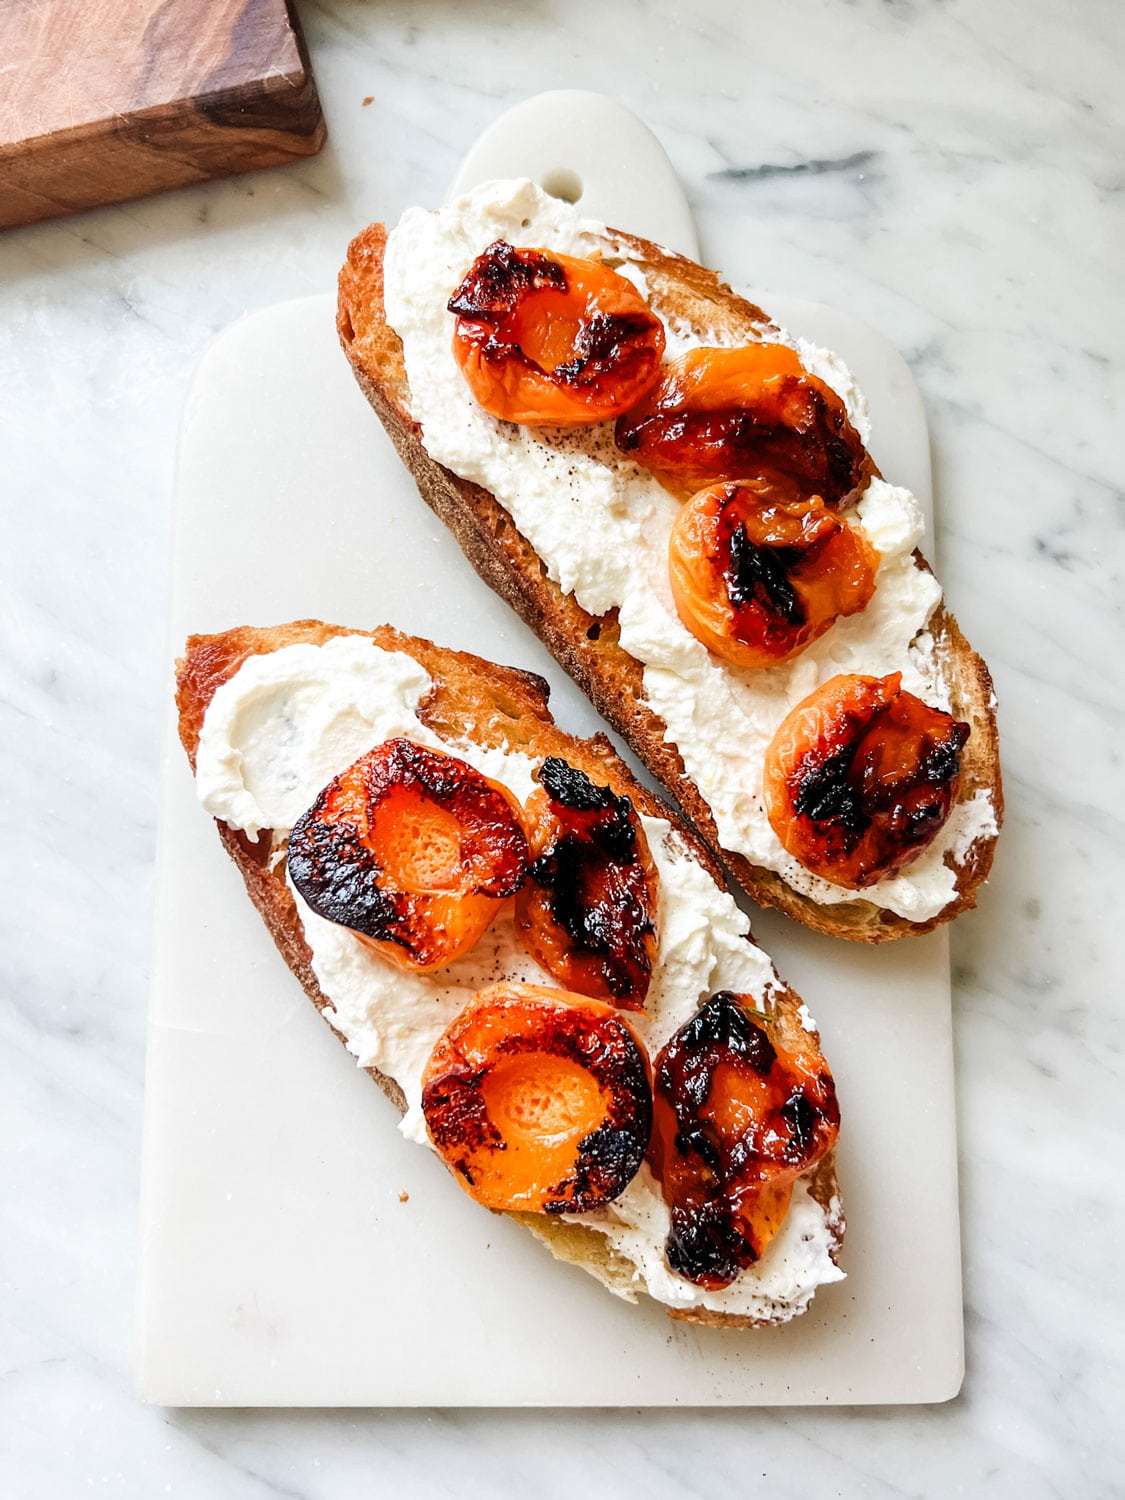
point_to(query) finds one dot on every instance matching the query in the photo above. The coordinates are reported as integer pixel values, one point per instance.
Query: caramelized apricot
(749, 413)
(587, 910)
(413, 849)
(552, 340)
(736, 1121)
(860, 777)
(539, 1100)
(757, 578)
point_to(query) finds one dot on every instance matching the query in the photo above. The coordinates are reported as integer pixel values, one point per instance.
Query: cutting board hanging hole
(562, 183)
(615, 168)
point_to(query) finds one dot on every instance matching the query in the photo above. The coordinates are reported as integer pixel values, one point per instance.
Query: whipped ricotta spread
(281, 728)
(601, 524)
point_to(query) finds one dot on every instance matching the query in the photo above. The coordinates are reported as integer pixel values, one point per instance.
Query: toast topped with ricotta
(678, 498)
(535, 960)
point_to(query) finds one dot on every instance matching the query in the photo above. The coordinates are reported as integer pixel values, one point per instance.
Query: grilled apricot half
(411, 848)
(587, 910)
(539, 1100)
(757, 578)
(552, 340)
(748, 413)
(860, 777)
(736, 1121)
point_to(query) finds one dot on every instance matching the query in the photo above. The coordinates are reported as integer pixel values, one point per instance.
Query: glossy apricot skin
(551, 340)
(587, 911)
(750, 413)
(539, 1100)
(412, 849)
(757, 578)
(736, 1121)
(860, 777)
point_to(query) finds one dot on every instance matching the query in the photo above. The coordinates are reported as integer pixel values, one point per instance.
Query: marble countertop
(952, 174)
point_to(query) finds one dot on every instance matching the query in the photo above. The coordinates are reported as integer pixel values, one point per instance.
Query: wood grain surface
(103, 100)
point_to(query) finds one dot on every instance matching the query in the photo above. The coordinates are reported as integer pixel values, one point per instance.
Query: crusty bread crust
(588, 647)
(502, 708)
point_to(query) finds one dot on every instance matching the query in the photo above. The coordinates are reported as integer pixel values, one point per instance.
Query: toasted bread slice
(498, 708)
(588, 647)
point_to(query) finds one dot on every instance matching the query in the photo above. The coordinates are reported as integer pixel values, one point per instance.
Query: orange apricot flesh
(587, 911)
(539, 1100)
(737, 1120)
(751, 413)
(413, 849)
(860, 778)
(553, 340)
(757, 578)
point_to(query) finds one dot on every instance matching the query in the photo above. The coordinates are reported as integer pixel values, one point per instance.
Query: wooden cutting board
(105, 100)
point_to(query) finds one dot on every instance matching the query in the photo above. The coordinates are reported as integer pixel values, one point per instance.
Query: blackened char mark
(337, 875)
(719, 1030)
(696, 1139)
(457, 1117)
(607, 344)
(610, 1157)
(763, 573)
(705, 1245)
(602, 909)
(827, 795)
(797, 436)
(500, 278)
(943, 760)
(838, 793)
(608, 1160)
(571, 788)
(800, 1116)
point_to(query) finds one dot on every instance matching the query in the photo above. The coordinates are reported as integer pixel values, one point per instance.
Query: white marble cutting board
(294, 1249)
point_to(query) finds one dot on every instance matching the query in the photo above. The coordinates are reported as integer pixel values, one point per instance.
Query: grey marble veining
(952, 173)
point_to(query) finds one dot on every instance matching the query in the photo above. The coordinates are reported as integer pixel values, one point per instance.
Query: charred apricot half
(860, 777)
(587, 911)
(748, 413)
(757, 578)
(736, 1122)
(552, 340)
(539, 1100)
(411, 848)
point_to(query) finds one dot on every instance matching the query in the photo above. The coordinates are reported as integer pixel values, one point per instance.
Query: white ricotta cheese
(830, 368)
(278, 731)
(601, 525)
(296, 718)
